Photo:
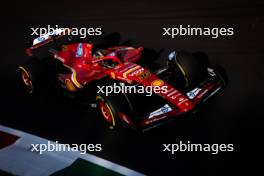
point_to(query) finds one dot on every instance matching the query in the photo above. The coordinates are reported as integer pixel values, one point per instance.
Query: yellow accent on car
(69, 85)
(157, 82)
(113, 75)
(184, 75)
(113, 119)
(73, 76)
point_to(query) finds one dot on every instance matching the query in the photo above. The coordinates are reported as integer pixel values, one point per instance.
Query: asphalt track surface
(232, 117)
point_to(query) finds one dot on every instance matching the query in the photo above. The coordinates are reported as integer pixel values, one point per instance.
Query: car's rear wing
(50, 41)
(49, 35)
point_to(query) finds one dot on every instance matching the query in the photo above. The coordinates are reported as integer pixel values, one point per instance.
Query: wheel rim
(107, 113)
(26, 79)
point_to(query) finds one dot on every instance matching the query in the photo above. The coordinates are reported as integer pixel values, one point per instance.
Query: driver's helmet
(100, 53)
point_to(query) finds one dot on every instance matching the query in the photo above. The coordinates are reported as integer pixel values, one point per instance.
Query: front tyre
(108, 112)
(191, 67)
(113, 108)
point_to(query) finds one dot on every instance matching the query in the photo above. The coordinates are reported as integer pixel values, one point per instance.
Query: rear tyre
(32, 75)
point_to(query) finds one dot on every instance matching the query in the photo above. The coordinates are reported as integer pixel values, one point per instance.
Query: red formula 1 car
(80, 67)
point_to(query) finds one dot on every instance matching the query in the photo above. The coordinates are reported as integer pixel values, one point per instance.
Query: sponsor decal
(79, 52)
(193, 93)
(164, 109)
(130, 70)
(137, 72)
(155, 120)
(46, 36)
(144, 75)
(157, 82)
(202, 94)
(40, 39)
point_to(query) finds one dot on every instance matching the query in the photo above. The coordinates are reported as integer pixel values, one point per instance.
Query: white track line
(19, 160)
